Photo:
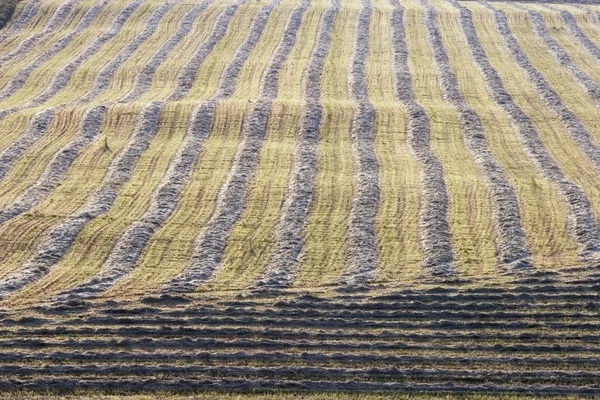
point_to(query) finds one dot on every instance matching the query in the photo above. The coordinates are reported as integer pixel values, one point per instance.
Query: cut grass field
(299, 199)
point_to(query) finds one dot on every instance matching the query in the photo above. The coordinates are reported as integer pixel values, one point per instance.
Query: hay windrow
(513, 252)
(58, 18)
(584, 226)
(129, 248)
(144, 78)
(210, 244)
(433, 215)
(301, 190)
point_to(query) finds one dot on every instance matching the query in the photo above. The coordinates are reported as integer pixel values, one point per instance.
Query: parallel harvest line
(102, 81)
(60, 239)
(130, 246)
(210, 244)
(58, 167)
(362, 239)
(511, 242)
(575, 127)
(576, 31)
(206, 383)
(433, 218)
(144, 77)
(301, 189)
(59, 16)
(58, 242)
(21, 78)
(63, 76)
(187, 77)
(20, 23)
(561, 56)
(40, 124)
(584, 227)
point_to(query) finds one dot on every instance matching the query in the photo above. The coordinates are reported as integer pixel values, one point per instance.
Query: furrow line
(126, 253)
(58, 241)
(285, 334)
(21, 78)
(58, 167)
(575, 127)
(102, 81)
(447, 314)
(289, 244)
(59, 16)
(583, 225)
(304, 357)
(210, 244)
(329, 323)
(244, 384)
(20, 23)
(362, 239)
(187, 77)
(511, 242)
(144, 78)
(561, 56)
(302, 372)
(433, 214)
(187, 344)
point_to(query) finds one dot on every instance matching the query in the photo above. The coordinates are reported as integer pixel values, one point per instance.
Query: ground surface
(303, 195)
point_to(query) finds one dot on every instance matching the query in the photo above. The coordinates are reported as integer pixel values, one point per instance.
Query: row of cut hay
(58, 18)
(513, 253)
(210, 244)
(144, 78)
(289, 242)
(64, 157)
(216, 122)
(575, 127)
(129, 248)
(560, 54)
(250, 244)
(7, 9)
(584, 227)
(19, 80)
(325, 251)
(433, 219)
(362, 237)
(67, 240)
(544, 216)
(60, 239)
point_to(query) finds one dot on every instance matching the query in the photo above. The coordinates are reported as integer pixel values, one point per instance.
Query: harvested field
(306, 198)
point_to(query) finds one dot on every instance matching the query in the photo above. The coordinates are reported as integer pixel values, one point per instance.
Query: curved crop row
(60, 239)
(59, 166)
(58, 18)
(584, 228)
(560, 55)
(514, 254)
(301, 190)
(362, 241)
(575, 127)
(130, 246)
(102, 81)
(19, 80)
(211, 242)
(435, 231)
(19, 23)
(144, 78)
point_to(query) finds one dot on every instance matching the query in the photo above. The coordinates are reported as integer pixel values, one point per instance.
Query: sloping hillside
(394, 195)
